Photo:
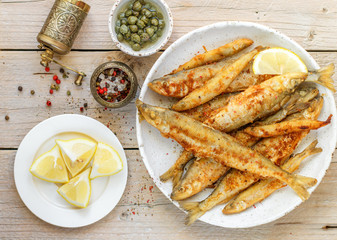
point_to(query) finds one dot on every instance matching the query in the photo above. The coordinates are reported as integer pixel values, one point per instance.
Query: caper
(160, 15)
(159, 33)
(161, 24)
(121, 15)
(144, 37)
(154, 38)
(127, 35)
(140, 31)
(136, 47)
(143, 11)
(124, 29)
(123, 21)
(132, 20)
(155, 28)
(137, 6)
(118, 23)
(154, 21)
(135, 38)
(140, 24)
(144, 19)
(133, 28)
(148, 13)
(117, 29)
(150, 31)
(130, 6)
(128, 13)
(135, 13)
(120, 37)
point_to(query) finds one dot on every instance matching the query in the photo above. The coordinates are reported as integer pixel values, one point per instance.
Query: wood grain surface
(143, 212)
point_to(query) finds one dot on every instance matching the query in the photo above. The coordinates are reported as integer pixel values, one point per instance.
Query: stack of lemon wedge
(72, 158)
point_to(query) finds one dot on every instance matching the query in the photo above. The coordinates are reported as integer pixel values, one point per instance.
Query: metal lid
(123, 67)
(81, 5)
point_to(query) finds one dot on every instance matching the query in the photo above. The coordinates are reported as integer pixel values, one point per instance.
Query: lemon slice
(50, 167)
(78, 190)
(106, 161)
(77, 153)
(278, 61)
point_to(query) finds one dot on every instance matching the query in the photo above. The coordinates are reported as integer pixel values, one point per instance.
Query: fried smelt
(176, 171)
(194, 179)
(216, 54)
(262, 189)
(216, 85)
(286, 127)
(206, 142)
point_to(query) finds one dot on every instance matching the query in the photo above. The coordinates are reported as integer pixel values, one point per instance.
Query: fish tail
(298, 184)
(168, 174)
(194, 212)
(307, 181)
(324, 78)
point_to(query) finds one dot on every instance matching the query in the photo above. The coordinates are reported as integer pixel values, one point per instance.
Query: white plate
(41, 197)
(159, 158)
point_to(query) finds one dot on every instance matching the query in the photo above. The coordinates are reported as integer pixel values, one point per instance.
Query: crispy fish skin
(255, 102)
(277, 149)
(286, 127)
(216, 85)
(193, 181)
(184, 82)
(262, 189)
(216, 54)
(176, 170)
(206, 142)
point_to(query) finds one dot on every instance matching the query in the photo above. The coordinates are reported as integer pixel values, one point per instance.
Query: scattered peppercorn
(32, 92)
(61, 70)
(51, 91)
(53, 86)
(68, 92)
(85, 105)
(7, 117)
(55, 77)
(48, 103)
(47, 69)
(20, 88)
(81, 109)
(58, 81)
(57, 87)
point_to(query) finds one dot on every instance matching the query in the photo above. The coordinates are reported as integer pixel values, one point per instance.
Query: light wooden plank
(25, 110)
(142, 214)
(310, 24)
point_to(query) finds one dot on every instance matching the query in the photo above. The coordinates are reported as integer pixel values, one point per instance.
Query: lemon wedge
(278, 61)
(106, 161)
(77, 153)
(50, 167)
(78, 190)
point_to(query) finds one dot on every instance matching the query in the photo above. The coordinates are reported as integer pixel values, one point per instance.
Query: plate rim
(168, 51)
(88, 214)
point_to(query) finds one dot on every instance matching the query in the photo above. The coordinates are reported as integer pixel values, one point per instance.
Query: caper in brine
(130, 5)
(127, 35)
(128, 13)
(136, 47)
(161, 24)
(117, 29)
(159, 33)
(154, 21)
(160, 15)
(133, 28)
(155, 28)
(140, 32)
(135, 13)
(154, 38)
(150, 31)
(144, 19)
(137, 6)
(121, 15)
(120, 37)
(124, 29)
(148, 13)
(140, 24)
(123, 21)
(135, 38)
(118, 23)
(144, 37)
(132, 20)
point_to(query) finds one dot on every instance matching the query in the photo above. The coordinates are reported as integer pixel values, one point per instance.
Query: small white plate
(41, 197)
(160, 158)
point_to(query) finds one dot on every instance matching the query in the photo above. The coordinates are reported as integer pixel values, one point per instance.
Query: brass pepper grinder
(60, 30)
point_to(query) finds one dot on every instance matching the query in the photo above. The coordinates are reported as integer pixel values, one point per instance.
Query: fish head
(182, 192)
(291, 81)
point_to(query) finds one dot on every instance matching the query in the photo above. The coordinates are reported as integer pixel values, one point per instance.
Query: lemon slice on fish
(278, 61)
(50, 167)
(78, 190)
(106, 161)
(77, 153)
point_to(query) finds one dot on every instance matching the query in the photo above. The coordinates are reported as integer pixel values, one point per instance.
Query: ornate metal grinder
(60, 30)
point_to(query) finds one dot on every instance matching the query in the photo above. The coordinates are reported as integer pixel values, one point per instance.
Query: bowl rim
(131, 52)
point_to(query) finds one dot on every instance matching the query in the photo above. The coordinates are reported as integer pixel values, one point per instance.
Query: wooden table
(142, 213)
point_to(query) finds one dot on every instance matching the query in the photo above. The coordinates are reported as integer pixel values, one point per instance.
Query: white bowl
(153, 48)
(159, 153)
